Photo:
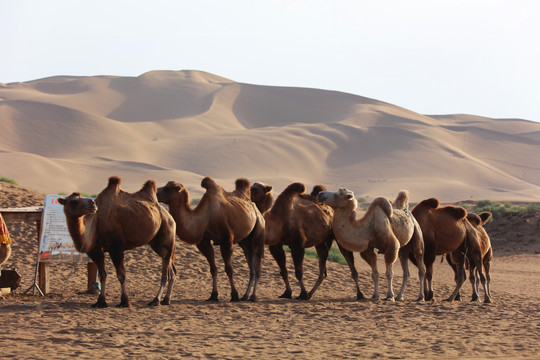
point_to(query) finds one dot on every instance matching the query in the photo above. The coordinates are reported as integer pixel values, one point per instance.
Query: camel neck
(190, 223)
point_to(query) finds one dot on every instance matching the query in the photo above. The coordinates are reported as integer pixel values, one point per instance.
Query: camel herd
(248, 216)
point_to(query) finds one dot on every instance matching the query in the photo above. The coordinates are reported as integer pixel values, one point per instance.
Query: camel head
(166, 194)
(340, 199)
(259, 192)
(77, 206)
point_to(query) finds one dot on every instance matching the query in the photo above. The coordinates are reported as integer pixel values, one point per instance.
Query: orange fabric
(4, 233)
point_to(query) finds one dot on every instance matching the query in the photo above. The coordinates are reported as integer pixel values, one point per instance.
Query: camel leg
(98, 257)
(487, 263)
(322, 253)
(460, 276)
(168, 270)
(415, 250)
(371, 258)
(298, 252)
(117, 256)
(390, 256)
(349, 257)
(404, 260)
(429, 259)
(279, 255)
(257, 246)
(473, 278)
(226, 253)
(248, 253)
(205, 247)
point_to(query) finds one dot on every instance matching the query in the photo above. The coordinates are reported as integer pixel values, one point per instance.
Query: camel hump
(485, 216)
(208, 183)
(474, 219)
(402, 200)
(114, 181)
(243, 186)
(295, 188)
(457, 212)
(430, 203)
(317, 189)
(384, 204)
(149, 188)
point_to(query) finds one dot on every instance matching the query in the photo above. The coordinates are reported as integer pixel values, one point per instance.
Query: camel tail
(317, 189)
(402, 200)
(243, 186)
(384, 204)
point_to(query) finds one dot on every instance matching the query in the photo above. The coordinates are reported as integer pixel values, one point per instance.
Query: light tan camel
(224, 218)
(382, 228)
(478, 252)
(298, 221)
(118, 221)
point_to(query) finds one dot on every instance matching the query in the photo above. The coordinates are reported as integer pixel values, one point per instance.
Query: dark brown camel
(478, 252)
(298, 221)
(122, 221)
(224, 218)
(445, 230)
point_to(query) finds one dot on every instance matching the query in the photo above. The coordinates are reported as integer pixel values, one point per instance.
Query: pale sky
(478, 57)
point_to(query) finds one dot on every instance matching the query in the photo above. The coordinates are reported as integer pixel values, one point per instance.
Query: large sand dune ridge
(68, 133)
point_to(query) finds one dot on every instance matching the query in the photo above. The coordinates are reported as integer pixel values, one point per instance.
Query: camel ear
(177, 187)
(349, 196)
(267, 188)
(62, 201)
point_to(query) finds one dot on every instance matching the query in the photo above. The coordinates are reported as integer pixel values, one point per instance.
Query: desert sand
(63, 325)
(72, 133)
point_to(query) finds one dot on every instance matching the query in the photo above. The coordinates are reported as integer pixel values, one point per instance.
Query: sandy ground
(332, 324)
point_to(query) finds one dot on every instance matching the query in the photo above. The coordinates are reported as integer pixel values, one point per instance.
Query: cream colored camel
(124, 221)
(224, 218)
(382, 228)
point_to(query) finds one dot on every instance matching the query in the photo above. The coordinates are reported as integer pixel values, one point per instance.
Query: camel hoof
(399, 298)
(244, 298)
(420, 298)
(213, 297)
(429, 296)
(100, 304)
(488, 301)
(154, 302)
(360, 296)
(166, 301)
(234, 297)
(303, 296)
(253, 298)
(123, 305)
(286, 295)
(389, 298)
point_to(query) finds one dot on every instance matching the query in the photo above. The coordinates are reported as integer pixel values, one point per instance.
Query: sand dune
(65, 133)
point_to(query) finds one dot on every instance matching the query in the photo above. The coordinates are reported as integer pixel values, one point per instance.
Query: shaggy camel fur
(382, 228)
(122, 221)
(477, 249)
(224, 218)
(298, 221)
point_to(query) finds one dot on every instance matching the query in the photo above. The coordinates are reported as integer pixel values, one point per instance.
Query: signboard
(55, 243)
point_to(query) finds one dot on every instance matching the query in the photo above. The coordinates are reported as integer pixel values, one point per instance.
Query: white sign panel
(55, 243)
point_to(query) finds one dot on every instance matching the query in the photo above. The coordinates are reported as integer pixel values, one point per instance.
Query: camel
(298, 221)
(445, 231)
(118, 221)
(224, 218)
(478, 252)
(382, 228)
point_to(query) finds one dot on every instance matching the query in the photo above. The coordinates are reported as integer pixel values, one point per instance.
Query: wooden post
(43, 281)
(92, 273)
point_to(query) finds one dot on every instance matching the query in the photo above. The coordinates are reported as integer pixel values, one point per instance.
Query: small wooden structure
(41, 277)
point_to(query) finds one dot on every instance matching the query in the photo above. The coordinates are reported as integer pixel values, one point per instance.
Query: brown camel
(382, 228)
(478, 252)
(445, 230)
(118, 221)
(298, 221)
(224, 218)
